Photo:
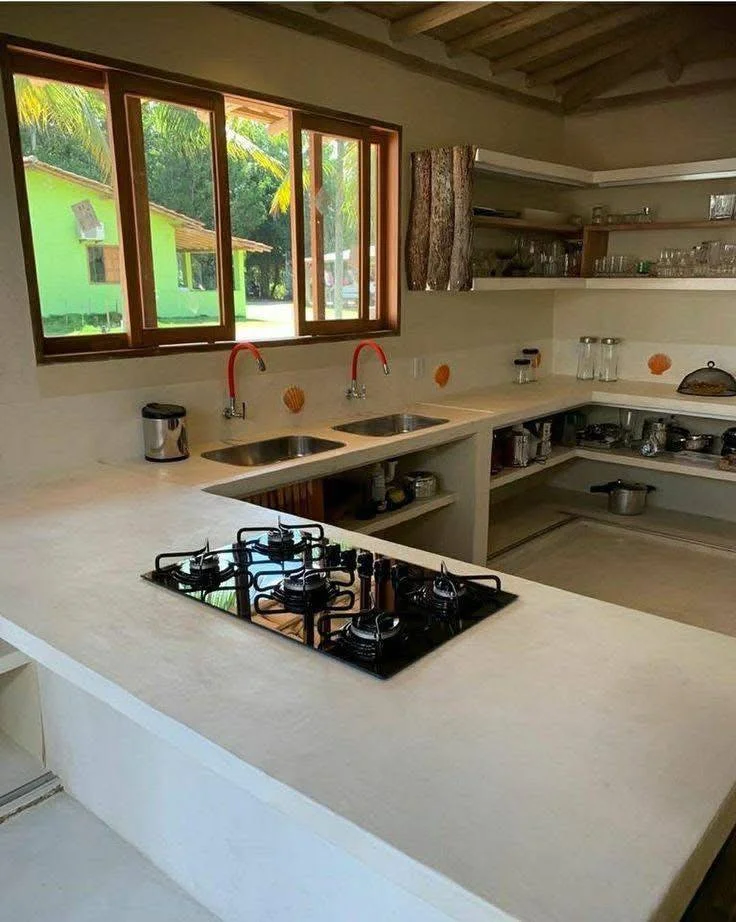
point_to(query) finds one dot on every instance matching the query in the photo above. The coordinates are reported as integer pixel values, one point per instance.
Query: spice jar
(535, 360)
(522, 371)
(587, 356)
(608, 366)
(598, 214)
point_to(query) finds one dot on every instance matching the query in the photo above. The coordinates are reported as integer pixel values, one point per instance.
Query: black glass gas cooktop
(376, 613)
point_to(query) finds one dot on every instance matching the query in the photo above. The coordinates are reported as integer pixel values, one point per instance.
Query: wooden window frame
(122, 82)
(387, 236)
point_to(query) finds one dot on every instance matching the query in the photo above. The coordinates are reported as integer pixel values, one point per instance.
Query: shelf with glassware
(514, 183)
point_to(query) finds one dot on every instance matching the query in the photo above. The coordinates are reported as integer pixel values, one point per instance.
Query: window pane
(373, 240)
(258, 163)
(331, 226)
(177, 143)
(72, 204)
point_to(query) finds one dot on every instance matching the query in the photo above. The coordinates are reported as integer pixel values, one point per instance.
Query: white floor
(59, 863)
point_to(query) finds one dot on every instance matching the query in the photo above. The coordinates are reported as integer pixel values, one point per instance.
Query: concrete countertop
(510, 403)
(566, 760)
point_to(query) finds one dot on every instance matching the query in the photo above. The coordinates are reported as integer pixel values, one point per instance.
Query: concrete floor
(665, 576)
(59, 863)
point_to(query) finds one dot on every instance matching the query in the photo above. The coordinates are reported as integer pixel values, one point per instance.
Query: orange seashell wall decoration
(294, 399)
(441, 375)
(659, 363)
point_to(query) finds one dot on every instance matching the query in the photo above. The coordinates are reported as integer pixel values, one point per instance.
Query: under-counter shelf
(508, 475)
(667, 461)
(386, 520)
(10, 658)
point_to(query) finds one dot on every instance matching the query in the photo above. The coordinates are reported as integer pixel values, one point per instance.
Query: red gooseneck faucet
(230, 411)
(357, 391)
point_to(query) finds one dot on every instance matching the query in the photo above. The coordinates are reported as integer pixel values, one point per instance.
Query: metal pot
(421, 484)
(625, 497)
(700, 441)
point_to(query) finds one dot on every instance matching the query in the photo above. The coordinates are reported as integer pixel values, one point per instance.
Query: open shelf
(668, 462)
(519, 224)
(10, 658)
(559, 455)
(562, 174)
(660, 226)
(645, 283)
(386, 520)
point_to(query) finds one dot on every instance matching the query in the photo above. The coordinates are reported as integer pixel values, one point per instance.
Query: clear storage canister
(608, 365)
(522, 371)
(535, 360)
(587, 358)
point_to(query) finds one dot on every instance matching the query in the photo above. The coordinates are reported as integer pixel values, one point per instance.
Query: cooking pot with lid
(625, 497)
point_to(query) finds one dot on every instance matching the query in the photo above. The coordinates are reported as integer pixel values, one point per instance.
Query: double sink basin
(290, 447)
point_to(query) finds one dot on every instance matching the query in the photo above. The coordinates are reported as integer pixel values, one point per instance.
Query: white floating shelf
(510, 165)
(386, 520)
(603, 284)
(10, 658)
(559, 455)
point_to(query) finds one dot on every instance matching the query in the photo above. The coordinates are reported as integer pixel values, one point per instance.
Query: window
(104, 265)
(162, 214)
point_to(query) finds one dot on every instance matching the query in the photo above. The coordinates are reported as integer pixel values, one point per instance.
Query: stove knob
(382, 569)
(332, 555)
(365, 563)
(348, 559)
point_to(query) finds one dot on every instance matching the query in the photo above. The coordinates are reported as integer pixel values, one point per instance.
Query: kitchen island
(564, 760)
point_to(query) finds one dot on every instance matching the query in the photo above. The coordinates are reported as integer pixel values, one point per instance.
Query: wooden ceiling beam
(571, 37)
(663, 95)
(425, 20)
(533, 16)
(573, 65)
(651, 46)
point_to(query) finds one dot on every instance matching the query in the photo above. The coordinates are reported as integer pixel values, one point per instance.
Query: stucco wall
(91, 410)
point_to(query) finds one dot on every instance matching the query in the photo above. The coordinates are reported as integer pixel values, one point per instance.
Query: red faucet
(356, 391)
(230, 412)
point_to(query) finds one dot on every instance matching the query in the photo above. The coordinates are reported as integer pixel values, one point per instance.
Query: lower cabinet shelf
(560, 453)
(386, 520)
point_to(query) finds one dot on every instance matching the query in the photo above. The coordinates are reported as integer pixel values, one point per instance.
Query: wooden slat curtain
(439, 238)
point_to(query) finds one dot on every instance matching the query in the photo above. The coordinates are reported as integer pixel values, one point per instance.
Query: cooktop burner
(373, 612)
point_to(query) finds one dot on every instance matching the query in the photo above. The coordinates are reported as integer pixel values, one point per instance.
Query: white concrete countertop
(508, 403)
(566, 760)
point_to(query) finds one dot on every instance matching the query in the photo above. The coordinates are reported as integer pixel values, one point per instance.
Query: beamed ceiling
(567, 57)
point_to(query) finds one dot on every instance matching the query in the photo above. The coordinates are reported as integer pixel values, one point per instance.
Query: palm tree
(80, 114)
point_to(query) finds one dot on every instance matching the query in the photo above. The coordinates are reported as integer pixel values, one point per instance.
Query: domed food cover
(708, 382)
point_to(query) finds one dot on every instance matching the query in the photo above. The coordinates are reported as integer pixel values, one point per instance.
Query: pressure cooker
(625, 497)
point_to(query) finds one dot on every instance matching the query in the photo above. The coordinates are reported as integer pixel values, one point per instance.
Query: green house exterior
(63, 258)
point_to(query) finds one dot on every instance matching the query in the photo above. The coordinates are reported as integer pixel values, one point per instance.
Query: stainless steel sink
(270, 451)
(395, 424)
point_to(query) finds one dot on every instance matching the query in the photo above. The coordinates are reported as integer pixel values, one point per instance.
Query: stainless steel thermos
(165, 432)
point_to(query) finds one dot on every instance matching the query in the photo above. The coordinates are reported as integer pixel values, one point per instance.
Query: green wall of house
(62, 262)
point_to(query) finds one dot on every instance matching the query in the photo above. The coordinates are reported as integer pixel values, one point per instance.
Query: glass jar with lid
(535, 360)
(587, 358)
(608, 365)
(522, 371)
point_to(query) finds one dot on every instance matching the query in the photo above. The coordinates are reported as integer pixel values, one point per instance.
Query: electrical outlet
(417, 367)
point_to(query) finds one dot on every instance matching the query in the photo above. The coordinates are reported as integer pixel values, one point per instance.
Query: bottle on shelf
(608, 365)
(535, 360)
(587, 358)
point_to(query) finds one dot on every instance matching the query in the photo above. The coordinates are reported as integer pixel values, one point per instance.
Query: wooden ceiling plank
(530, 17)
(572, 65)
(425, 20)
(651, 46)
(658, 96)
(571, 37)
